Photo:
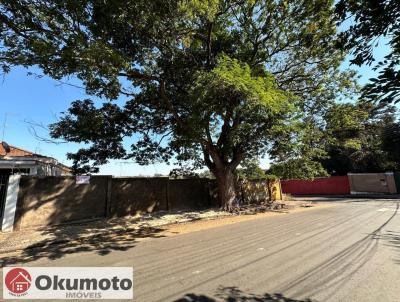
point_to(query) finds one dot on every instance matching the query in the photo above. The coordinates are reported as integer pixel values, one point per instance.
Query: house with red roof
(15, 160)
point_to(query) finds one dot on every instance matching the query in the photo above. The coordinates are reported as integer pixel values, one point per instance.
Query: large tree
(209, 82)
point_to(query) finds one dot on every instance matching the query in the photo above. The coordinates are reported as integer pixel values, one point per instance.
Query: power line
(6, 115)
(4, 126)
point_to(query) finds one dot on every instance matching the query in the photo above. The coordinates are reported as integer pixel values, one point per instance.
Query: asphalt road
(347, 252)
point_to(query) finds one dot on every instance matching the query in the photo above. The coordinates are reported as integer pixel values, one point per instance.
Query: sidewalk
(105, 229)
(104, 236)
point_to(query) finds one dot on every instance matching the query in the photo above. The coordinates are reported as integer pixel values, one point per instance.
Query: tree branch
(238, 156)
(210, 28)
(11, 25)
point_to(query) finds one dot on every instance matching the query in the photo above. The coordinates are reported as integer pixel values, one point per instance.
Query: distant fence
(353, 183)
(334, 185)
(372, 183)
(43, 201)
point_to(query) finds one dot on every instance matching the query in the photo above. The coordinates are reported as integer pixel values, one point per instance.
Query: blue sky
(28, 98)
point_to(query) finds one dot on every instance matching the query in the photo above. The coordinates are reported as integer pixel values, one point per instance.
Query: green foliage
(344, 124)
(256, 107)
(297, 153)
(355, 138)
(194, 8)
(298, 168)
(250, 169)
(206, 174)
(201, 82)
(359, 137)
(391, 143)
(232, 76)
(371, 21)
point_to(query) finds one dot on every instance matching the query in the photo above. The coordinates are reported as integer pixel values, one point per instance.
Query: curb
(43, 244)
(51, 242)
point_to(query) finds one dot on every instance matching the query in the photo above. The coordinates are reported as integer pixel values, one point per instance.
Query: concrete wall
(131, 195)
(134, 195)
(53, 200)
(372, 183)
(189, 194)
(44, 201)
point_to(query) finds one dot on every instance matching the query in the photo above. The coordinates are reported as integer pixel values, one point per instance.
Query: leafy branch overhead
(374, 23)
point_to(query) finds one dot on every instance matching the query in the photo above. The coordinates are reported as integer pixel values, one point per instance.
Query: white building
(15, 160)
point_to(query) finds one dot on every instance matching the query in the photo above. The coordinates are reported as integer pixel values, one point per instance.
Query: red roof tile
(14, 151)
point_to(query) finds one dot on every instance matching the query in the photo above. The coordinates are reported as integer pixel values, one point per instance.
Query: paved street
(346, 252)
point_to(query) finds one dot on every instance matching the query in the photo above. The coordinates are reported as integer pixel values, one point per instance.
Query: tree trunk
(226, 189)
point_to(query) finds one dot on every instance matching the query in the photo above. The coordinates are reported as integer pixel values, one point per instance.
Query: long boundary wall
(34, 202)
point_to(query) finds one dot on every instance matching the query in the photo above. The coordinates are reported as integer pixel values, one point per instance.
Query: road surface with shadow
(346, 252)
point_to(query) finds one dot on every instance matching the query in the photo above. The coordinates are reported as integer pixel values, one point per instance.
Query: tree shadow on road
(337, 270)
(233, 294)
(392, 239)
(55, 217)
(69, 240)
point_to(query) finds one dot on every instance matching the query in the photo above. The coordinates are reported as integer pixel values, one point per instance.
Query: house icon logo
(18, 281)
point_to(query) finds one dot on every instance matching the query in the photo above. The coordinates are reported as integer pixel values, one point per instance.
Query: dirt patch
(181, 228)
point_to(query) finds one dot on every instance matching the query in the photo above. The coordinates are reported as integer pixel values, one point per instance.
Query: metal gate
(3, 193)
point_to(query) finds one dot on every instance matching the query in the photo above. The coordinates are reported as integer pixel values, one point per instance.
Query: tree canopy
(206, 82)
(372, 21)
(361, 137)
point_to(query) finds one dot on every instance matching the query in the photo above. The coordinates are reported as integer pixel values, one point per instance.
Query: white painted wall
(11, 203)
